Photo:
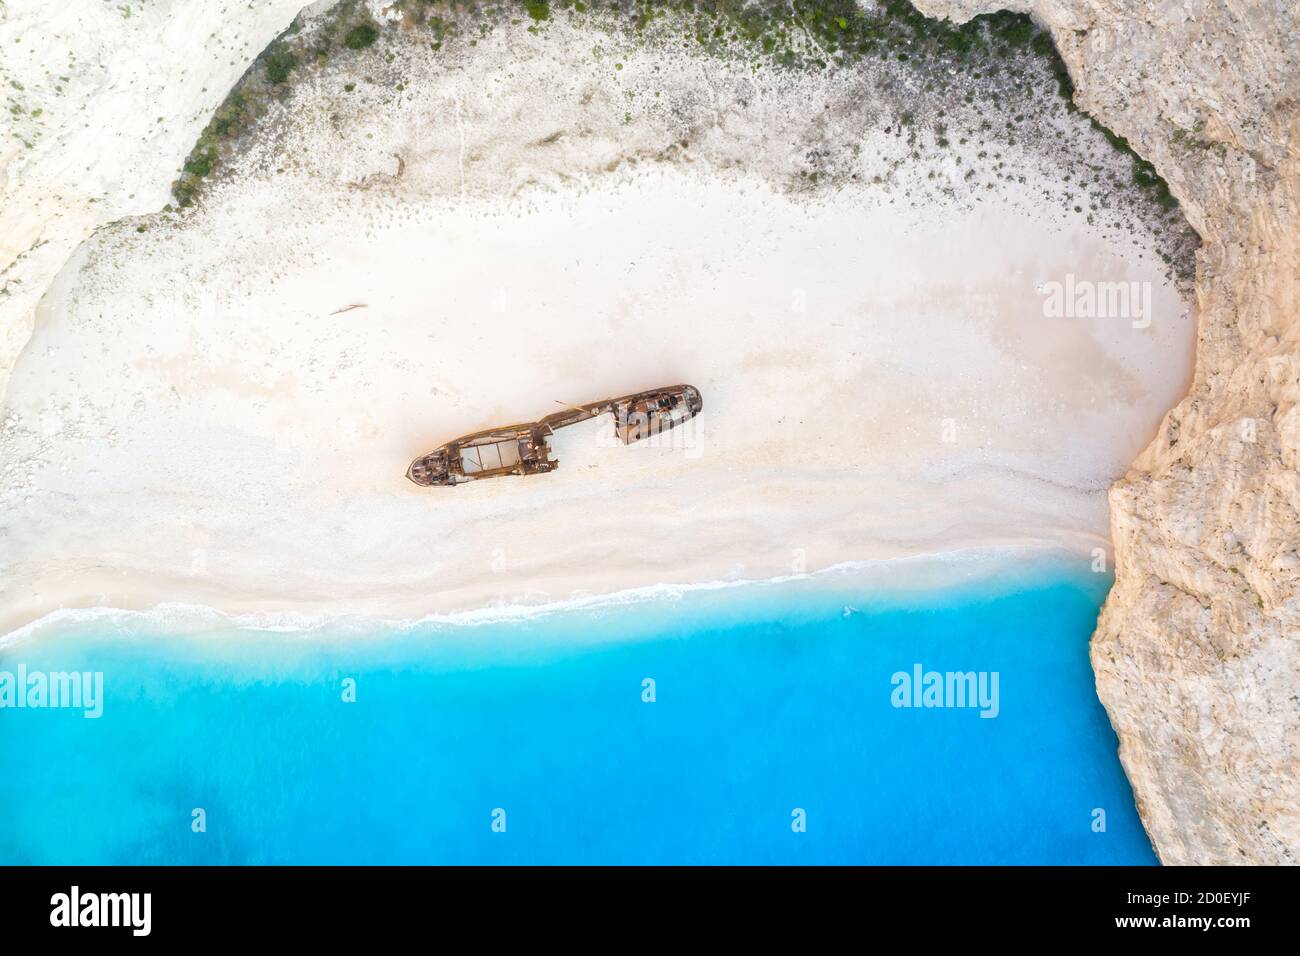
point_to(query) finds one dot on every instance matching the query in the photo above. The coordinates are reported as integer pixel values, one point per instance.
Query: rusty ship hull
(523, 449)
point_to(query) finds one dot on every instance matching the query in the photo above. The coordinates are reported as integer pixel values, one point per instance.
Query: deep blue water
(768, 699)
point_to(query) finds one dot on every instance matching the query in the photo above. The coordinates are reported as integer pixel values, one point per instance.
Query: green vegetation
(1145, 176)
(797, 34)
(279, 65)
(231, 119)
(348, 26)
(200, 162)
(361, 36)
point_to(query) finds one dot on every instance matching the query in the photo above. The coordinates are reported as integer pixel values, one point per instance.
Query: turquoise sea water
(772, 706)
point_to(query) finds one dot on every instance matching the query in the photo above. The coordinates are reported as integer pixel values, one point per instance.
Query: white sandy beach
(218, 410)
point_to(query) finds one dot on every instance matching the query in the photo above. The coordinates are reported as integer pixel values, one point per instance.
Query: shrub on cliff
(279, 65)
(361, 36)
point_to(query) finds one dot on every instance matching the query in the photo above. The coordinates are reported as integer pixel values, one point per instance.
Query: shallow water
(772, 707)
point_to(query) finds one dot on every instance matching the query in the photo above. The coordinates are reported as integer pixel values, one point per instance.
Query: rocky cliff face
(1197, 653)
(102, 102)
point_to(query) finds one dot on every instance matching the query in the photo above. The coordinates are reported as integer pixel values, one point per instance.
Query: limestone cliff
(102, 102)
(1197, 652)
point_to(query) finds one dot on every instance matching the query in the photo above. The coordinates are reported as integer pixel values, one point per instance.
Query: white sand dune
(219, 410)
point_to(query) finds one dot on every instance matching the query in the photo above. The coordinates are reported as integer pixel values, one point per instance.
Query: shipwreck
(524, 450)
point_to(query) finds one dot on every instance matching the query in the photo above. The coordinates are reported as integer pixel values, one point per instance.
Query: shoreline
(922, 572)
